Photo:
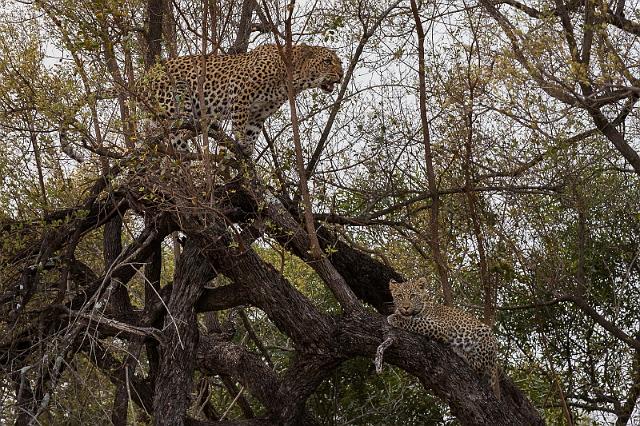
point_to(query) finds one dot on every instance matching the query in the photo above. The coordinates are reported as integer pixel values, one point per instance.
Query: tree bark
(155, 17)
(175, 373)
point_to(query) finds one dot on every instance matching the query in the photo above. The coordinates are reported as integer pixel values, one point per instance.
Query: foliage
(533, 126)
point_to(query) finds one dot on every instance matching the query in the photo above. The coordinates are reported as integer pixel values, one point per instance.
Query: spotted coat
(246, 88)
(471, 339)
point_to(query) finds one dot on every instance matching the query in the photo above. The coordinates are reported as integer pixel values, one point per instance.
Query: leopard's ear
(393, 283)
(421, 283)
(306, 51)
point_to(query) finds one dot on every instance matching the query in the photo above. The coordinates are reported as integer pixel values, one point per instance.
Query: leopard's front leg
(423, 325)
(245, 130)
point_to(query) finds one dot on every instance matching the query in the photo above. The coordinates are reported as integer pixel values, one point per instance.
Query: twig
(140, 331)
(232, 403)
(255, 338)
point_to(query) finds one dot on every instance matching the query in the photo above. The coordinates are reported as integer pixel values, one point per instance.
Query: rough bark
(241, 43)
(439, 370)
(119, 303)
(155, 17)
(180, 339)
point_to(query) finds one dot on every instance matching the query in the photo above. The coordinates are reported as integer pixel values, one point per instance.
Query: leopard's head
(318, 67)
(408, 297)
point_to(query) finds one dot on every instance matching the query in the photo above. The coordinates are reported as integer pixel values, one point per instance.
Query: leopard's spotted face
(322, 69)
(407, 299)
(245, 88)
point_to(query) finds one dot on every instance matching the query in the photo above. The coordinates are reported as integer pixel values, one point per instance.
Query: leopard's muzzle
(329, 85)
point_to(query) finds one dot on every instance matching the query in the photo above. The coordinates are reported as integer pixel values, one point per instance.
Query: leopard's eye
(327, 61)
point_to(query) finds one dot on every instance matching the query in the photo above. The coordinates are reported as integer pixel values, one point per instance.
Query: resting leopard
(246, 88)
(470, 338)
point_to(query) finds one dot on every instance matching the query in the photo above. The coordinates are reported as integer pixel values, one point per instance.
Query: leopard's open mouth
(328, 86)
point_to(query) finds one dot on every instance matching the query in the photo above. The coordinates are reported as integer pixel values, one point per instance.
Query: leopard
(470, 338)
(246, 88)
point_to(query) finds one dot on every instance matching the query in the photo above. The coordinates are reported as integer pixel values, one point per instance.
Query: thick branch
(290, 234)
(267, 289)
(220, 357)
(441, 371)
(155, 16)
(241, 43)
(175, 374)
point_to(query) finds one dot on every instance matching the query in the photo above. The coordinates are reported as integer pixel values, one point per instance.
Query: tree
(138, 284)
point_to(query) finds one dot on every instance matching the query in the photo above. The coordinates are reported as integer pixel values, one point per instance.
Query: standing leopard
(471, 339)
(246, 88)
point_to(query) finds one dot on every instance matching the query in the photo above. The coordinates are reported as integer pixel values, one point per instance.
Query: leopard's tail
(494, 381)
